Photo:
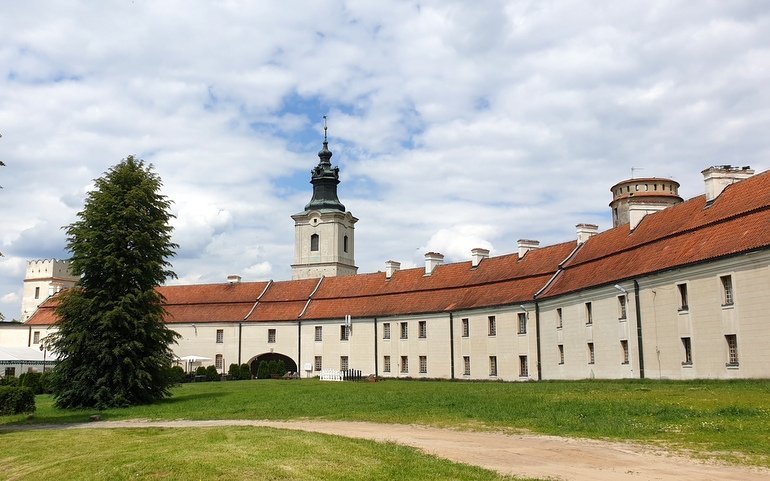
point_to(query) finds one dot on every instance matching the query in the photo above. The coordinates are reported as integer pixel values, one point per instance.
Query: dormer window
(314, 242)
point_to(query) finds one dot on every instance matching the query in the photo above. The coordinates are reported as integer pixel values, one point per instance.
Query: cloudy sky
(455, 124)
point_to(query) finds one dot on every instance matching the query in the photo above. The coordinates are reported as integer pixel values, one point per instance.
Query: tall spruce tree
(114, 348)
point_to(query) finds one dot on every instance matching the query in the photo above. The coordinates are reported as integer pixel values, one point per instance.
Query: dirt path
(523, 455)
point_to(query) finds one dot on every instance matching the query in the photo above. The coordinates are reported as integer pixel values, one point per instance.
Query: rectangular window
(523, 366)
(589, 314)
(10, 372)
(727, 290)
(36, 337)
(687, 351)
(344, 363)
(319, 333)
(219, 361)
(466, 365)
(220, 336)
(624, 351)
(621, 307)
(732, 350)
(317, 363)
(492, 322)
(344, 333)
(37, 293)
(271, 335)
(404, 364)
(466, 328)
(404, 330)
(386, 364)
(386, 330)
(493, 365)
(590, 353)
(423, 364)
(682, 296)
(422, 329)
(522, 323)
(561, 353)
(314, 242)
(558, 318)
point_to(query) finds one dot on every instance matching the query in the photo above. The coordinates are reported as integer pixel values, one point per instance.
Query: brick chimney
(585, 232)
(526, 245)
(717, 178)
(477, 255)
(391, 267)
(432, 260)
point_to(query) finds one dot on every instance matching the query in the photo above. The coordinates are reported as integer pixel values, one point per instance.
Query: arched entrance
(291, 366)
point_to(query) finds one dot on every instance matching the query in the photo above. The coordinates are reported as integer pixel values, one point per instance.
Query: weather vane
(324, 128)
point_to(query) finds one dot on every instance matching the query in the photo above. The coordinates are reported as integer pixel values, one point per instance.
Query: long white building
(676, 289)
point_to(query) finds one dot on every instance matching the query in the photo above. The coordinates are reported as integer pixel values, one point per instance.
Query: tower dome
(632, 199)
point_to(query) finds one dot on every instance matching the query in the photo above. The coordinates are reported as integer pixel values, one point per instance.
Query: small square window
(220, 336)
(386, 364)
(319, 334)
(466, 365)
(36, 337)
(522, 323)
(466, 327)
(404, 364)
(423, 364)
(492, 322)
(271, 335)
(422, 329)
(386, 330)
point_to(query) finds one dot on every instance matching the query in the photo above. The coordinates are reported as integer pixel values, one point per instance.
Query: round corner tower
(632, 199)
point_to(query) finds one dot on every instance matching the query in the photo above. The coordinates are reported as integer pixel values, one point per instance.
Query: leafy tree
(234, 372)
(212, 374)
(245, 371)
(263, 371)
(114, 348)
(281, 367)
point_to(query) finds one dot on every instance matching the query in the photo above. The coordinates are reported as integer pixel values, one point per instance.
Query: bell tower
(324, 232)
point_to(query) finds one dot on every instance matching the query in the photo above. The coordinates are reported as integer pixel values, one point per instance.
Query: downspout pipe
(299, 346)
(537, 341)
(240, 337)
(639, 329)
(376, 365)
(451, 346)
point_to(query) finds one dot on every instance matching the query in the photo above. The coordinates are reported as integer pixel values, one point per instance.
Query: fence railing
(347, 375)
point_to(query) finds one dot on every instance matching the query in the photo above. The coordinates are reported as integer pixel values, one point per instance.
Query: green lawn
(216, 453)
(726, 417)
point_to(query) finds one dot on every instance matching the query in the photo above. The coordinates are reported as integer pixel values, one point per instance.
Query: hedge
(15, 400)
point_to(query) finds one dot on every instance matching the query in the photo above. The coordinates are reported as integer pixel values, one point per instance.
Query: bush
(234, 372)
(281, 367)
(263, 371)
(176, 375)
(9, 381)
(16, 400)
(32, 381)
(200, 371)
(245, 371)
(212, 374)
(272, 366)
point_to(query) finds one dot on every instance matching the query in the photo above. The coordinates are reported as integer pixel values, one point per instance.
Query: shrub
(9, 381)
(16, 400)
(281, 367)
(245, 371)
(234, 372)
(263, 371)
(212, 374)
(176, 375)
(272, 366)
(32, 381)
(200, 371)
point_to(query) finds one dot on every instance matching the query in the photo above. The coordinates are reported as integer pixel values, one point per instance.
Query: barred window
(493, 365)
(319, 333)
(492, 326)
(523, 366)
(386, 330)
(423, 364)
(219, 361)
(386, 364)
(422, 329)
(317, 363)
(466, 365)
(344, 363)
(404, 364)
(220, 336)
(522, 323)
(271, 335)
(466, 327)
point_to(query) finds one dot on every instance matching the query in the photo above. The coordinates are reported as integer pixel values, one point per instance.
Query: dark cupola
(325, 178)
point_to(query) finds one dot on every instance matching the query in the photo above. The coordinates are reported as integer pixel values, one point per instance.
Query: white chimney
(234, 279)
(717, 178)
(526, 245)
(432, 260)
(586, 231)
(477, 255)
(391, 267)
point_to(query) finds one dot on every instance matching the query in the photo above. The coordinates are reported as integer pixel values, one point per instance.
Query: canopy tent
(192, 359)
(15, 359)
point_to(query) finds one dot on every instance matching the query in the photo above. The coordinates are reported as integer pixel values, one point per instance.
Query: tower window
(37, 293)
(314, 242)
(345, 243)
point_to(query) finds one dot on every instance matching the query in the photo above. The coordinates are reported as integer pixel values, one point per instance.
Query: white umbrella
(190, 360)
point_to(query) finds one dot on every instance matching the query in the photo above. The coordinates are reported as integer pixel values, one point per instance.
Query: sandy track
(524, 455)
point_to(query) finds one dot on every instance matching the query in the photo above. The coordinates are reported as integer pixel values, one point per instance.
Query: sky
(454, 124)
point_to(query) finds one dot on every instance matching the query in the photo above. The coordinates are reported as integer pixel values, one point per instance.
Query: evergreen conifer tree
(114, 348)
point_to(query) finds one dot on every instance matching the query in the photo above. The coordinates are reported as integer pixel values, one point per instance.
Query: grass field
(730, 418)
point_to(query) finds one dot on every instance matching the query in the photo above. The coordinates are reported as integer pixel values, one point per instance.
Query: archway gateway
(291, 366)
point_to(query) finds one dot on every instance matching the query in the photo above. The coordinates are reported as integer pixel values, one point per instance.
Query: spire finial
(325, 141)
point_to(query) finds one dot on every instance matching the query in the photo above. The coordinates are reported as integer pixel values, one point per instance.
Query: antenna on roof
(325, 129)
(634, 169)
